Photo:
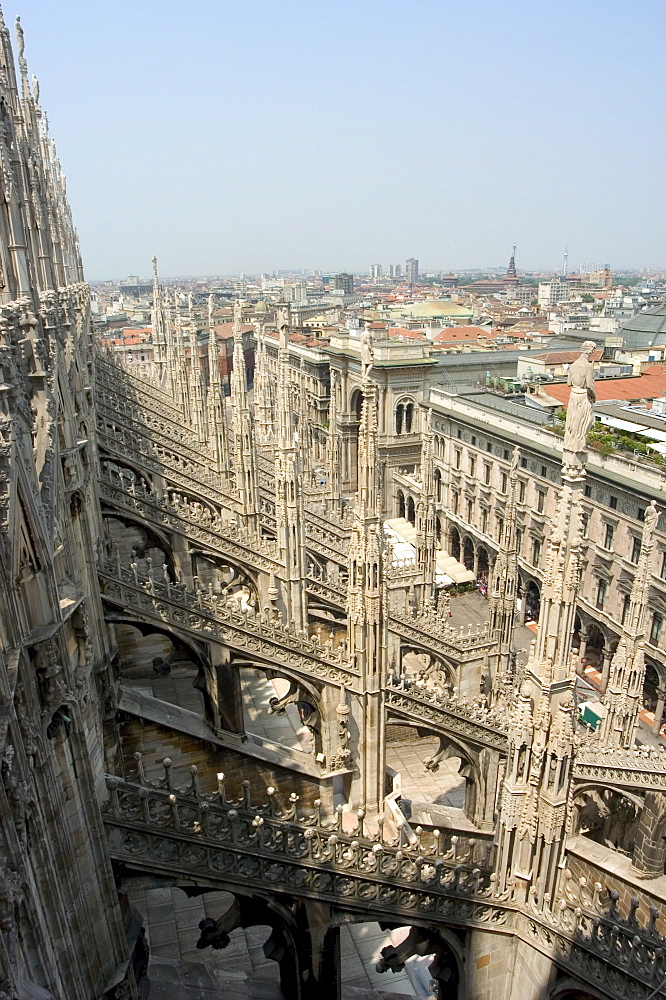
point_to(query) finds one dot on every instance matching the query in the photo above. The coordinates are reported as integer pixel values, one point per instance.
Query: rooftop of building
(565, 357)
(649, 385)
(645, 329)
(461, 333)
(225, 331)
(433, 308)
(513, 406)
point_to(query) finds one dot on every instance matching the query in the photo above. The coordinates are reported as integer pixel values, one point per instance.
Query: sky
(231, 136)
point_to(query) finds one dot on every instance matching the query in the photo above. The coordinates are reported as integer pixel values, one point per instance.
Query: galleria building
(253, 744)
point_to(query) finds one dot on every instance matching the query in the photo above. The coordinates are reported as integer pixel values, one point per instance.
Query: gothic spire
(333, 445)
(622, 699)
(502, 591)
(159, 338)
(263, 418)
(366, 601)
(533, 810)
(245, 459)
(425, 512)
(196, 388)
(289, 512)
(215, 404)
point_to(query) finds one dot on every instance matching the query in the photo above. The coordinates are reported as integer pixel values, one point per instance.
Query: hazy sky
(247, 135)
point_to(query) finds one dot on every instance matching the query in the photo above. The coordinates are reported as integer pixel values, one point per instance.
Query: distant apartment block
(344, 283)
(552, 292)
(412, 269)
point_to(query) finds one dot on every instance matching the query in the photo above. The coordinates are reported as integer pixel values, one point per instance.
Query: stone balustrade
(207, 615)
(473, 722)
(162, 826)
(641, 767)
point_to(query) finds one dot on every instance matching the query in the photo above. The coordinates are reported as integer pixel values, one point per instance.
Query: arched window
(401, 504)
(404, 416)
(356, 403)
(438, 486)
(411, 511)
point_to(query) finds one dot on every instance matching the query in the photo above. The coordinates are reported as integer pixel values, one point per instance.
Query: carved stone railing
(584, 928)
(429, 630)
(206, 616)
(149, 437)
(110, 376)
(471, 723)
(190, 519)
(148, 431)
(313, 542)
(207, 487)
(331, 529)
(159, 827)
(324, 588)
(161, 459)
(640, 767)
(196, 521)
(116, 406)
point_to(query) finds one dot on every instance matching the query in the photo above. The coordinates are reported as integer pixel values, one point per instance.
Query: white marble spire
(622, 698)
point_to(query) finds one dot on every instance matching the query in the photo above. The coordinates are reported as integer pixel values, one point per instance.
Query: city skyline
(251, 138)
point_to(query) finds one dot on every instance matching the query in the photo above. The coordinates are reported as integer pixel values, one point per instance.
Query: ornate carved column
(261, 396)
(584, 636)
(215, 404)
(333, 446)
(366, 608)
(625, 675)
(425, 515)
(502, 593)
(659, 710)
(533, 807)
(198, 415)
(289, 513)
(159, 337)
(245, 459)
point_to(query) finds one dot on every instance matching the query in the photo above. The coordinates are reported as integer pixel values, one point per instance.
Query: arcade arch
(405, 416)
(608, 817)
(156, 663)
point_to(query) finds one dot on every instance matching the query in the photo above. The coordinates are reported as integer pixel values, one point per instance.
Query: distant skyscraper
(376, 271)
(344, 283)
(397, 272)
(412, 269)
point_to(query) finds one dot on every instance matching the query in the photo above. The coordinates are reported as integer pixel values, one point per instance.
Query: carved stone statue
(367, 352)
(580, 415)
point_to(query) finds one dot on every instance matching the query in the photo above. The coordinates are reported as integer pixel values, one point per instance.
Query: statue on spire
(367, 352)
(580, 413)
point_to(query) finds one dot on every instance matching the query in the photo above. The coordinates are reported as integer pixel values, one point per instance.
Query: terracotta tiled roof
(400, 332)
(564, 357)
(457, 333)
(226, 330)
(649, 385)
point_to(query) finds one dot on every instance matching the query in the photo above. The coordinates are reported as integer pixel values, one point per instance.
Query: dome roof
(260, 306)
(646, 329)
(437, 307)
